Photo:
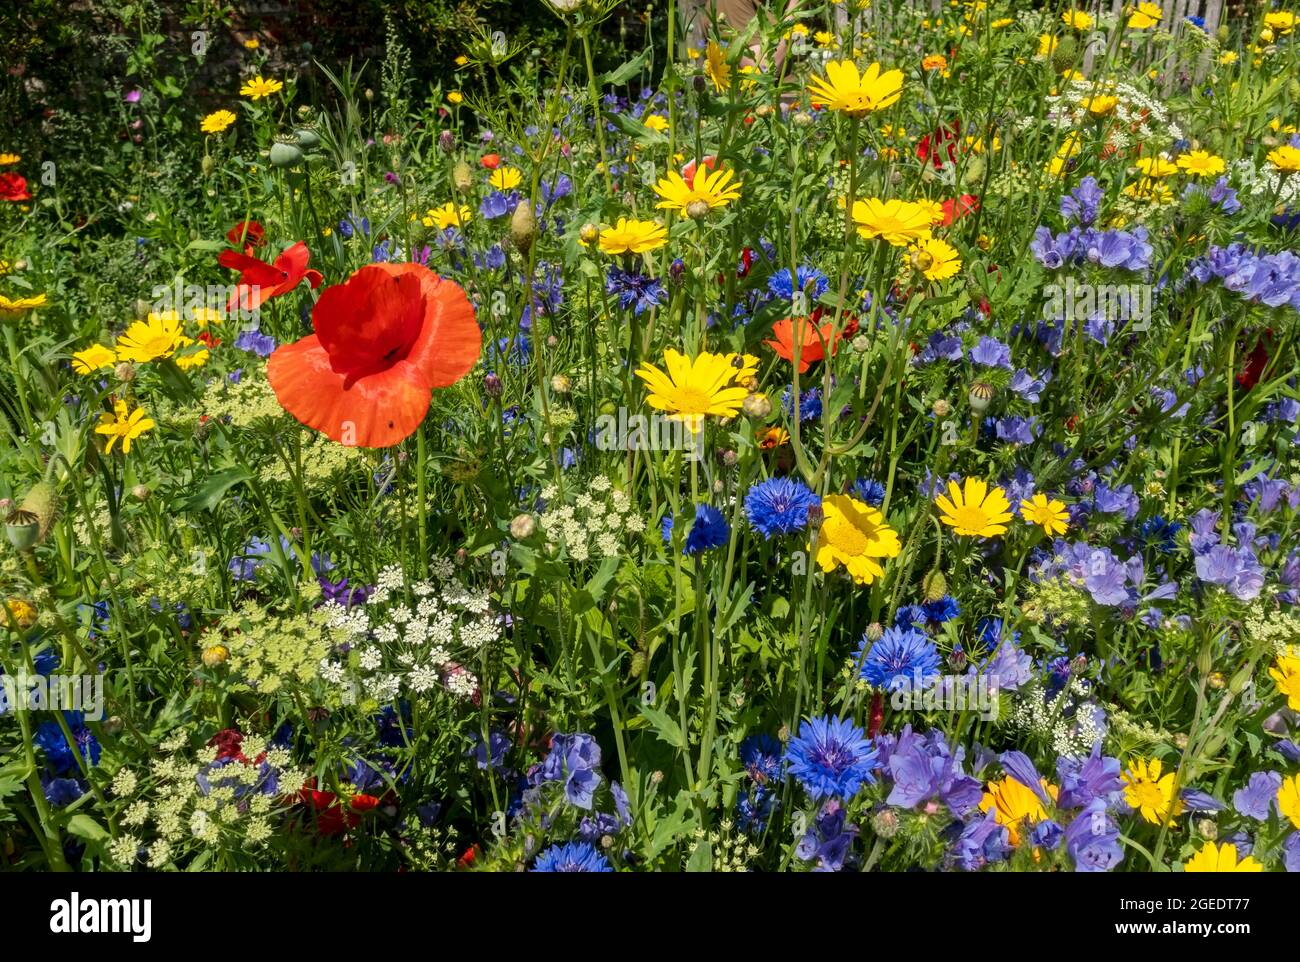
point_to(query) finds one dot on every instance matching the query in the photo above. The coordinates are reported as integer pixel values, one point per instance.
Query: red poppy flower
(954, 210)
(490, 161)
(876, 717)
(328, 817)
(812, 340)
(13, 187)
(940, 144)
(1256, 362)
(468, 856)
(688, 172)
(363, 803)
(259, 281)
(385, 338)
(247, 233)
(207, 338)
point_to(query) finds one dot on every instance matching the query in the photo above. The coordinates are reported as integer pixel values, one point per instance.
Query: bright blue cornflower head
(810, 404)
(780, 506)
(831, 758)
(783, 287)
(709, 530)
(903, 659)
(761, 756)
(572, 857)
(868, 490)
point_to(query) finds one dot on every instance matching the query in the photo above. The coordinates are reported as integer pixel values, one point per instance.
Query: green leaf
(701, 859)
(210, 493)
(664, 727)
(83, 826)
(625, 72)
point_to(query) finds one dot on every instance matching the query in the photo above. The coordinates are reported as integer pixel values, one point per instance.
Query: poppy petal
(450, 341)
(374, 411)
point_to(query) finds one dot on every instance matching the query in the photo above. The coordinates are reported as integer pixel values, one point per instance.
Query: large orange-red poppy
(259, 281)
(812, 340)
(385, 338)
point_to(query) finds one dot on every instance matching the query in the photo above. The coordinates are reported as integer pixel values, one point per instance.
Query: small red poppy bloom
(207, 338)
(811, 340)
(247, 233)
(363, 803)
(259, 281)
(940, 145)
(385, 338)
(954, 210)
(1256, 362)
(688, 172)
(13, 187)
(490, 161)
(876, 717)
(328, 817)
(468, 856)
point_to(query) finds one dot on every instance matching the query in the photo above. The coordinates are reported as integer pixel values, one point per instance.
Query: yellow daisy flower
(505, 178)
(217, 121)
(633, 237)
(898, 222)
(13, 308)
(1201, 163)
(1288, 799)
(693, 388)
(936, 259)
(123, 426)
(1145, 15)
(157, 336)
(1015, 805)
(448, 215)
(711, 190)
(1152, 794)
(1220, 858)
(1286, 675)
(974, 510)
(1050, 515)
(6, 159)
(853, 535)
(1156, 167)
(1076, 20)
(260, 87)
(1285, 158)
(855, 94)
(95, 358)
(716, 67)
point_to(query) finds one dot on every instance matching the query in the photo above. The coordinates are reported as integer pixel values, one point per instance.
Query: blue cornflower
(831, 757)
(634, 289)
(761, 756)
(572, 857)
(903, 659)
(810, 404)
(780, 506)
(709, 530)
(781, 285)
(868, 490)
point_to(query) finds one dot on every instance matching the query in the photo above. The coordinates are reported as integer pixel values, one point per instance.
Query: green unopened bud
(935, 585)
(462, 177)
(1066, 52)
(523, 226)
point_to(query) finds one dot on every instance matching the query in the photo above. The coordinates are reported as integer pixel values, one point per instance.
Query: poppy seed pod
(306, 136)
(981, 394)
(523, 226)
(285, 153)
